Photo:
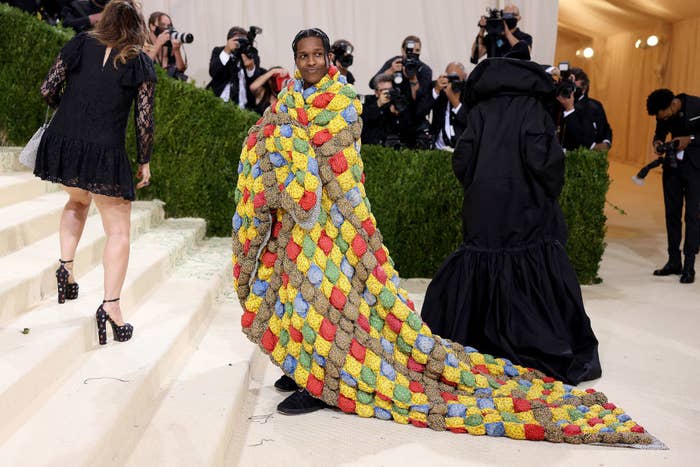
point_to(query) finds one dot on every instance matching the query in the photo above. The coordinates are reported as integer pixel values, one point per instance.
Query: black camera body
(670, 152)
(398, 100)
(246, 43)
(456, 83)
(184, 37)
(411, 63)
(342, 51)
(494, 21)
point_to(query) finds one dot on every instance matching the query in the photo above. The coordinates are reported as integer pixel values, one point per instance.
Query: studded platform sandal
(121, 333)
(66, 290)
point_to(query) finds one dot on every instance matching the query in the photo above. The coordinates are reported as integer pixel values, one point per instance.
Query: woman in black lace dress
(93, 83)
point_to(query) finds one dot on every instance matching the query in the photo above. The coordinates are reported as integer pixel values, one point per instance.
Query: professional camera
(342, 51)
(456, 83)
(184, 37)
(411, 63)
(670, 156)
(398, 100)
(247, 42)
(494, 21)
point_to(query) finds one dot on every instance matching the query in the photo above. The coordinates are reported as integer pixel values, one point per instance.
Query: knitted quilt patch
(321, 296)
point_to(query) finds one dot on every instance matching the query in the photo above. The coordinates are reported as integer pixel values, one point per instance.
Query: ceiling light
(588, 52)
(578, 52)
(652, 41)
(638, 44)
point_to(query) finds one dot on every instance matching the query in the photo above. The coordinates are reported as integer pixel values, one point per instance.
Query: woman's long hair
(123, 28)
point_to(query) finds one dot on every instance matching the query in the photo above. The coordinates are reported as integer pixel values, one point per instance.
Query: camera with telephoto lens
(494, 21)
(184, 37)
(456, 83)
(246, 43)
(670, 157)
(342, 51)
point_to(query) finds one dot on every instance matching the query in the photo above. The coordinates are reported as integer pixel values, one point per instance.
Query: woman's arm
(52, 87)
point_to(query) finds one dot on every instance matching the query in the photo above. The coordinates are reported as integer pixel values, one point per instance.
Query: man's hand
(482, 26)
(94, 18)
(567, 102)
(383, 98)
(393, 110)
(176, 45)
(441, 83)
(601, 147)
(453, 97)
(683, 142)
(396, 66)
(232, 45)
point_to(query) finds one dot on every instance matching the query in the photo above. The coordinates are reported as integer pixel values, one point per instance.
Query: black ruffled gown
(510, 289)
(84, 146)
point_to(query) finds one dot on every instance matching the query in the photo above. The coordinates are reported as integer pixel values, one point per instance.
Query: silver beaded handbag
(28, 155)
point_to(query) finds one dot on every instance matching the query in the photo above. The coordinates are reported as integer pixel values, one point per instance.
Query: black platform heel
(121, 333)
(66, 290)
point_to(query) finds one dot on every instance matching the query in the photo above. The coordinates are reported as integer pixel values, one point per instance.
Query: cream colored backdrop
(376, 28)
(622, 77)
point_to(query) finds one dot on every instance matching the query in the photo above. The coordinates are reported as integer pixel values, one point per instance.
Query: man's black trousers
(682, 184)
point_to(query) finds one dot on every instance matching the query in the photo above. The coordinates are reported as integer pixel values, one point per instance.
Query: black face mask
(511, 22)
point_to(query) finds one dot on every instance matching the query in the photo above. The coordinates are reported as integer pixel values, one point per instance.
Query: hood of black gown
(507, 76)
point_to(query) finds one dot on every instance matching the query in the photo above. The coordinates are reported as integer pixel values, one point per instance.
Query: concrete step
(98, 413)
(59, 335)
(9, 159)
(28, 276)
(22, 186)
(197, 419)
(26, 222)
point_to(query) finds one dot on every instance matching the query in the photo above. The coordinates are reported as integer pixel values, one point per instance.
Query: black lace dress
(84, 145)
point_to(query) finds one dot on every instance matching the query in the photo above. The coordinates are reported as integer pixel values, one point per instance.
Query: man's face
(666, 113)
(456, 70)
(311, 59)
(382, 88)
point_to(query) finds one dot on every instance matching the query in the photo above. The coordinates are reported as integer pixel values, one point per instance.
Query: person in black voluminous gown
(93, 83)
(510, 289)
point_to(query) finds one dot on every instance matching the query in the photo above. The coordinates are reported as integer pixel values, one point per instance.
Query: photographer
(81, 15)
(413, 79)
(267, 86)
(384, 115)
(449, 115)
(603, 131)
(163, 49)
(341, 56)
(235, 66)
(680, 116)
(574, 122)
(498, 33)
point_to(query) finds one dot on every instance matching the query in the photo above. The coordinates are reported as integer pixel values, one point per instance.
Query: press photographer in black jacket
(232, 71)
(679, 115)
(449, 114)
(414, 80)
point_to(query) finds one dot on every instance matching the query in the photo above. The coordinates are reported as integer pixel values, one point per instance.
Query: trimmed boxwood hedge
(415, 197)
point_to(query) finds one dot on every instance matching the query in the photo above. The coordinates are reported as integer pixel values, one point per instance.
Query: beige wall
(622, 77)
(376, 28)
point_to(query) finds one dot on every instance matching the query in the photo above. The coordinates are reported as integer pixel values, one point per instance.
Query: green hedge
(414, 195)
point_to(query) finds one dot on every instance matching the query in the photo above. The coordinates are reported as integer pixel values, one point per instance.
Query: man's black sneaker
(286, 384)
(300, 402)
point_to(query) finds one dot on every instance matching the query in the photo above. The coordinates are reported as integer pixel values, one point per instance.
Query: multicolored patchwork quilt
(321, 296)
